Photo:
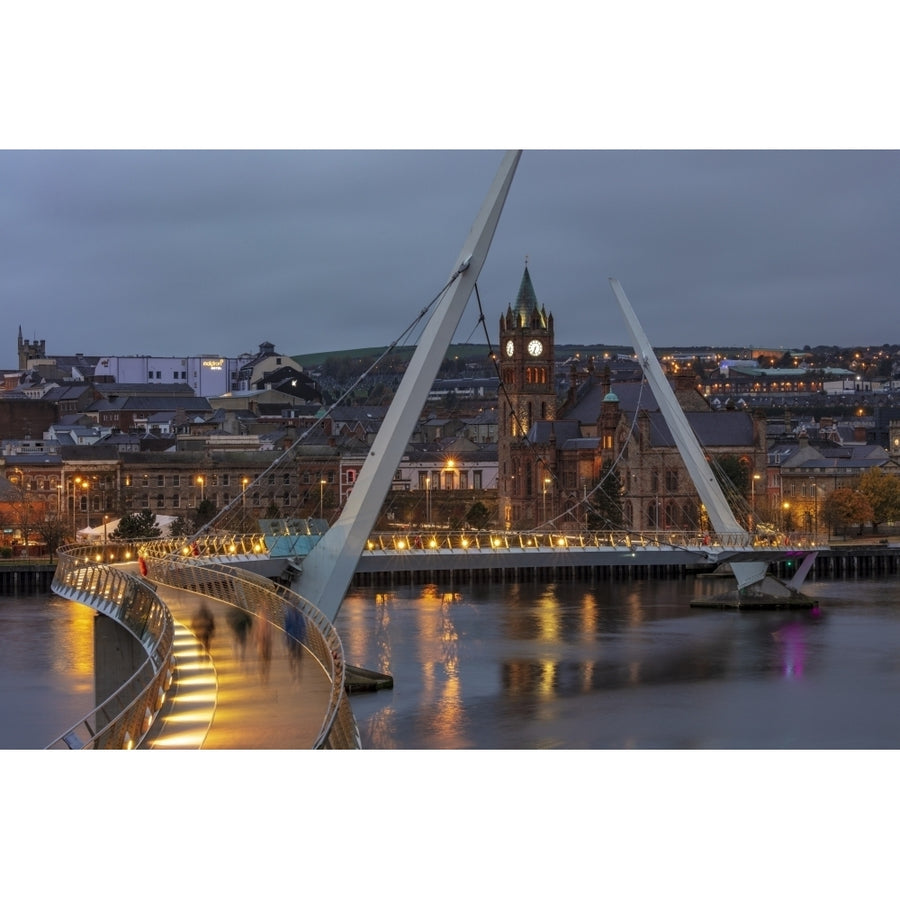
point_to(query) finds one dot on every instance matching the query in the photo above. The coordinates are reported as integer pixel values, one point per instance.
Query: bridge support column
(117, 656)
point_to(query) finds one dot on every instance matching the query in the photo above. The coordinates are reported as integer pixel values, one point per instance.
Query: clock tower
(527, 395)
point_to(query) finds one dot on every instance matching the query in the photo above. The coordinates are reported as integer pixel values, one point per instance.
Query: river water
(572, 665)
(609, 665)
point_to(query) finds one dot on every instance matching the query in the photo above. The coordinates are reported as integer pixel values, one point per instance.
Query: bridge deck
(227, 702)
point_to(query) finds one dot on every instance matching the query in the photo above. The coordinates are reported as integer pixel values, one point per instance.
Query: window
(463, 481)
(160, 501)
(306, 478)
(286, 478)
(176, 501)
(226, 479)
(160, 480)
(176, 481)
(476, 479)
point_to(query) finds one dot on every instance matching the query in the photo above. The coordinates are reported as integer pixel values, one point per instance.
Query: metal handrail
(123, 719)
(436, 540)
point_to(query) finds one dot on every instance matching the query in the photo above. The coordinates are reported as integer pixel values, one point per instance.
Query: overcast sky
(175, 252)
(188, 252)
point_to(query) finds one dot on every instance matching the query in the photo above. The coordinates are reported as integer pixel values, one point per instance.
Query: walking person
(240, 622)
(204, 625)
(295, 635)
(264, 647)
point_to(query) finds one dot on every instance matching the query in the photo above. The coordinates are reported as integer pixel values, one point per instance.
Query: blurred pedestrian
(204, 625)
(264, 646)
(240, 622)
(295, 635)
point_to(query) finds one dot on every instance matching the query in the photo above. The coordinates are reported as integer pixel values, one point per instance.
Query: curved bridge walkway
(238, 697)
(280, 689)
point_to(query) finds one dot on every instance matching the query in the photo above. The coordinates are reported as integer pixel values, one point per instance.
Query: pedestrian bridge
(296, 696)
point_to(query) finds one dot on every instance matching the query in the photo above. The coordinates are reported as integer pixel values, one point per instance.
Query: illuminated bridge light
(432, 543)
(401, 545)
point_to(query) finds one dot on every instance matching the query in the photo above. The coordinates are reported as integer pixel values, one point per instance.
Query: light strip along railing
(121, 721)
(436, 540)
(261, 597)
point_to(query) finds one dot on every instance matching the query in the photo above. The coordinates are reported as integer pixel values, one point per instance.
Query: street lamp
(202, 482)
(86, 484)
(815, 488)
(244, 482)
(756, 477)
(546, 482)
(321, 497)
(427, 499)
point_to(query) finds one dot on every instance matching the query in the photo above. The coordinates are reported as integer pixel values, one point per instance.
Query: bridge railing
(496, 541)
(122, 720)
(168, 564)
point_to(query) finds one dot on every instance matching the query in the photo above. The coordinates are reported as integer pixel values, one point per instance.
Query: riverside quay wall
(837, 561)
(858, 560)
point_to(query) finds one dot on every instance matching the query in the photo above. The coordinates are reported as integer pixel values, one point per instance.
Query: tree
(732, 474)
(181, 527)
(204, 513)
(605, 509)
(844, 506)
(136, 526)
(478, 515)
(883, 493)
(52, 529)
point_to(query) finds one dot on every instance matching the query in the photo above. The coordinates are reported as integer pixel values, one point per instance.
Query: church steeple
(527, 314)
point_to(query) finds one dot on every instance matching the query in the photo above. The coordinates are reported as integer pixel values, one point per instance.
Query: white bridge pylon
(329, 567)
(717, 508)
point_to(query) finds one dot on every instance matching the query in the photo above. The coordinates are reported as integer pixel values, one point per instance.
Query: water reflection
(46, 668)
(591, 664)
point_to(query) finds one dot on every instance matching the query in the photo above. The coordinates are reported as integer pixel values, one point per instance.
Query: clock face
(510, 347)
(535, 348)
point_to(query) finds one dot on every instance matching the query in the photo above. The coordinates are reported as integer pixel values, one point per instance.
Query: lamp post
(427, 499)
(202, 482)
(546, 482)
(756, 477)
(815, 488)
(85, 483)
(105, 522)
(244, 482)
(321, 497)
